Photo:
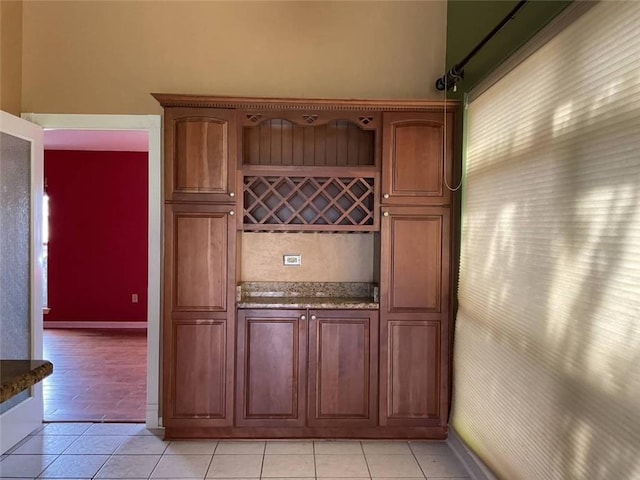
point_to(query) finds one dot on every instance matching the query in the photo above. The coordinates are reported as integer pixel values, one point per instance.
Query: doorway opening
(95, 268)
(137, 345)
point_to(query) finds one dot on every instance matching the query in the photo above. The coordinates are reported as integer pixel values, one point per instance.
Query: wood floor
(98, 375)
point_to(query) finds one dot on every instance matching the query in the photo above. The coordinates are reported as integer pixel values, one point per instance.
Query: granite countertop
(18, 375)
(336, 295)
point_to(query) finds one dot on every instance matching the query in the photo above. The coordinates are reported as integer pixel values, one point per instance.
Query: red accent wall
(97, 235)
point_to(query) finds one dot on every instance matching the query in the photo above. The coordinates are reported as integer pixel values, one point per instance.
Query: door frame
(152, 124)
(25, 417)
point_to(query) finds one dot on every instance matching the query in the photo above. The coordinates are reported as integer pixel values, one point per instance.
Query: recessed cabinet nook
(274, 360)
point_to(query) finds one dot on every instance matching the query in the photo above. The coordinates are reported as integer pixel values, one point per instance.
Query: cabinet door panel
(415, 310)
(271, 368)
(343, 368)
(410, 393)
(200, 153)
(415, 260)
(198, 249)
(417, 150)
(199, 381)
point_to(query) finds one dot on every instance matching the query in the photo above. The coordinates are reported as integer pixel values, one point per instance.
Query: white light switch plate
(292, 260)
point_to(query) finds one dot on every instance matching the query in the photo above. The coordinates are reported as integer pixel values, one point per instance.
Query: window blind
(547, 344)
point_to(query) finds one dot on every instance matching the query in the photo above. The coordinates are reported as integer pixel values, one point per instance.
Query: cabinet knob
(303, 317)
(232, 213)
(232, 194)
(313, 317)
(385, 214)
(386, 195)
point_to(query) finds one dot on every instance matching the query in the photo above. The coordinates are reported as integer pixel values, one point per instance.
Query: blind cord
(446, 183)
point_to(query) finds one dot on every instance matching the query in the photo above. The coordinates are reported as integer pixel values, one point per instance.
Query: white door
(21, 189)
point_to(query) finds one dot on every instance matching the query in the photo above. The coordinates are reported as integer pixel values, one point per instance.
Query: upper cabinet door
(417, 153)
(200, 154)
(415, 256)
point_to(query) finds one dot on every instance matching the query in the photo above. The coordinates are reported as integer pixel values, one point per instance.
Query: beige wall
(106, 57)
(10, 56)
(325, 257)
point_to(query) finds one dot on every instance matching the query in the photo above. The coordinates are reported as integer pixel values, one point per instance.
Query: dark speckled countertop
(18, 375)
(334, 295)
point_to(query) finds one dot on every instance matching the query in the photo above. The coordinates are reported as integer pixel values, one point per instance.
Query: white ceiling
(97, 140)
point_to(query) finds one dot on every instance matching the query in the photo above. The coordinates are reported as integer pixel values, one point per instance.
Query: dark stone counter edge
(18, 375)
(334, 303)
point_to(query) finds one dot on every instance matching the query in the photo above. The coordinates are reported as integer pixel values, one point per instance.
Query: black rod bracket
(450, 79)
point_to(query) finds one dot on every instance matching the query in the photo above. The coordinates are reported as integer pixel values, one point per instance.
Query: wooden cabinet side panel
(410, 373)
(271, 368)
(343, 368)
(199, 380)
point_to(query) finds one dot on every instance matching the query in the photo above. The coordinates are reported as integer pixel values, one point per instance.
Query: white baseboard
(101, 325)
(152, 419)
(472, 463)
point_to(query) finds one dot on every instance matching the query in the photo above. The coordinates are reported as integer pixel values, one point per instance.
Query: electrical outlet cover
(292, 260)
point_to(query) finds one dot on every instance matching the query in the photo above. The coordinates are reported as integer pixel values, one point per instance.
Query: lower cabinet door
(343, 368)
(412, 392)
(201, 379)
(271, 368)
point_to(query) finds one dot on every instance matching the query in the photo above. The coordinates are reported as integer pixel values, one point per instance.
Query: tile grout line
(365, 459)
(159, 460)
(264, 451)
(315, 466)
(101, 466)
(213, 454)
(156, 465)
(416, 459)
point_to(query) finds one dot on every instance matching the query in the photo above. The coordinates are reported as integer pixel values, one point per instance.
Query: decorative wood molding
(261, 103)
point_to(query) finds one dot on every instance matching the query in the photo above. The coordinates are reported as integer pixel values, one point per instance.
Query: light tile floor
(130, 451)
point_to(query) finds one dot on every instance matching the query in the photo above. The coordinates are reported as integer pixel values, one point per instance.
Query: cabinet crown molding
(262, 103)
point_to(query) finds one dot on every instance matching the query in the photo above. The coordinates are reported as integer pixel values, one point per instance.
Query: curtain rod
(450, 79)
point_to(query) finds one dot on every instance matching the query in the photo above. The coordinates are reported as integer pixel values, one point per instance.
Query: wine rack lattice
(308, 203)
